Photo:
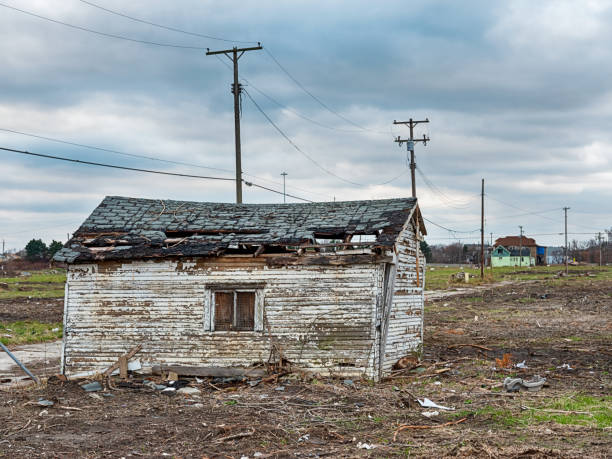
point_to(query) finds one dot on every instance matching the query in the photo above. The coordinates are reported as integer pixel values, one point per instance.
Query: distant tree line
(451, 253)
(37, 250)
(589, 251)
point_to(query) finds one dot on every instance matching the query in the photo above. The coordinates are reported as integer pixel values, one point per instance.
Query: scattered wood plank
(235, 436)
(128, 355)
(123, 367)
(477, 346)
(210, 372)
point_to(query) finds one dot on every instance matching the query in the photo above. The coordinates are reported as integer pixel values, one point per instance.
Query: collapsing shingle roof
(124, 228)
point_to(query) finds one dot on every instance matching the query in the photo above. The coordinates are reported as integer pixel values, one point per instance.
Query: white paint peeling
(322, 318)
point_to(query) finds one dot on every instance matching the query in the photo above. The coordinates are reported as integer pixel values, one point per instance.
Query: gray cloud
(517, 92)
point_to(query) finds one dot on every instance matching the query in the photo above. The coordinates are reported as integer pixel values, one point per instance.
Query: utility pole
(284, 174)
(482, 257)
(521, 248)
(410, 146)
(565, 209)
(598, 238)
(236, 53)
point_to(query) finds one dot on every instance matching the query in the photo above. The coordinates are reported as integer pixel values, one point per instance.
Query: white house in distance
(334, 288)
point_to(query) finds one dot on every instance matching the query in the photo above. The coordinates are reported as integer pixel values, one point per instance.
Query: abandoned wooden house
(334, 288)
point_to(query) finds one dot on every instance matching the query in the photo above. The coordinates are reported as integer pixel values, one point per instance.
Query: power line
(63, 225)
(444, 198)
(319, 101)
(195, 34)
(528, 213)
(108, 150)
(310, 158)
(113, 166)
(286, 137)
(523, 210)
(449, 229)
(295, 112)
(275, 191)
(161, 26)
(104, 34)
(153, 158)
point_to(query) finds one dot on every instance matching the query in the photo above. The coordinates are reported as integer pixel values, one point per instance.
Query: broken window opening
(336, 242)
(213, 232)
(234, 310)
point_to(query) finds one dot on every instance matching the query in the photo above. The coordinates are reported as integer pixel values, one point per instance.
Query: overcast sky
(518, 93)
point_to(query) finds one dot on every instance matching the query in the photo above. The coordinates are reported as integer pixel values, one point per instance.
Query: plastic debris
(365, 445)
(304, 437)
(534, 384)
(134, 365)
(43, 402)
(516, 384)
(348, 382)
(279, 388)
(521, 365)
(188, 391)
(565, 366)
(92, 387)
(426, 403)
(430, 414)
(513, 384)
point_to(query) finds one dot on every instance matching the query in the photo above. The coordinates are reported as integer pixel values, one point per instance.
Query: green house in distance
(501, 256)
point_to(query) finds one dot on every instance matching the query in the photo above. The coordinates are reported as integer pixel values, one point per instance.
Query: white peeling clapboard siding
(406, 317)
(321, 318)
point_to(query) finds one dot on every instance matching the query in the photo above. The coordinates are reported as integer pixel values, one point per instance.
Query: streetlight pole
(284, 174)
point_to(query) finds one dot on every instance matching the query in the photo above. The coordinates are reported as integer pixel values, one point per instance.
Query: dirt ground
(544, 324)
(46, 310)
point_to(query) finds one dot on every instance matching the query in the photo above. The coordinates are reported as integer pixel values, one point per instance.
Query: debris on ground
(426, 403)
(565, 366)
(365, 445)
(316, 416)
(92, 387)
(516, 384)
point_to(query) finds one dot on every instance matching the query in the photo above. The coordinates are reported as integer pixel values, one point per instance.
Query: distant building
(554, 255)
(537, 252)
(502, 256)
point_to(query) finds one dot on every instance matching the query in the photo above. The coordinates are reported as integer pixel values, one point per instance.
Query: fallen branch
(556, 411)
(478, 346)
(72, 408)
(235, 436)
(416, 427)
